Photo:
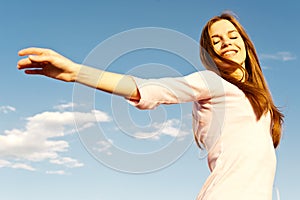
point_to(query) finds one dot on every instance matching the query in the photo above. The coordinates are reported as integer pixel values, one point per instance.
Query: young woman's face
(227, 41)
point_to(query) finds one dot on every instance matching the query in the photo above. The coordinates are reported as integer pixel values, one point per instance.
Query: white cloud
(103, 146)
(283, 56)
(265, 67)
(7, 109)
(58, 172)
(5, 163)
(65, 106)
(42, 138)
(170, 128)
(22, 166)
(67, 161)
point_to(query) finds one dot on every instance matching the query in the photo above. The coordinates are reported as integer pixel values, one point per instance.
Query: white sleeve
(193, 87)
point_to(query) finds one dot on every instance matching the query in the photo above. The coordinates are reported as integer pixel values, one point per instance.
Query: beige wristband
(89, 76)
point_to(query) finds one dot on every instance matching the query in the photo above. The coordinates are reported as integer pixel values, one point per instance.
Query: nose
(226, 42)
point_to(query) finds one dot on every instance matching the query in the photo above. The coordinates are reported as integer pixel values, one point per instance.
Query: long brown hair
(253, 83)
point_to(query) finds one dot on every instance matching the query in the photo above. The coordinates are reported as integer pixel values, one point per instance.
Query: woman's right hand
(40, 61)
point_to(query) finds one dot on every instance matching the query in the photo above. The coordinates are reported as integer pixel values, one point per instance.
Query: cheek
(242, 46)
(242, 49)
(244, 53)
(217, 48)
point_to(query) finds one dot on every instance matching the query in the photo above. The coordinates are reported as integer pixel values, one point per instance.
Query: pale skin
(40, 61)
(226, 40)
(228, 43)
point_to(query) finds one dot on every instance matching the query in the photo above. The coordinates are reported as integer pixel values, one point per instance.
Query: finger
(32, 51)
(34, 71)
(27, 63)
(40, 58)
(33, 65)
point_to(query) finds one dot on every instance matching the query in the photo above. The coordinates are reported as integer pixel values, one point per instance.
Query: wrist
(87, 75)
(75, 72)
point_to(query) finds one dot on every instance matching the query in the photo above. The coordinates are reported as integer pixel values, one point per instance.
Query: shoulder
(213, 82)
(208, 83)
(205, 77)
(204, 74)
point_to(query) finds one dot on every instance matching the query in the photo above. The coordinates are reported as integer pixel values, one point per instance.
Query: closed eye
(216, 40)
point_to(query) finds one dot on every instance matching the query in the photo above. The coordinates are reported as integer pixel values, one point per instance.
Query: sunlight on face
(227, 41)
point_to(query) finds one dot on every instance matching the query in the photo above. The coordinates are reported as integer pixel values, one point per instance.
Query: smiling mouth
(229, 53)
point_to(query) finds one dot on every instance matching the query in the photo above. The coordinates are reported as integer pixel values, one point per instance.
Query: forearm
(114, 83)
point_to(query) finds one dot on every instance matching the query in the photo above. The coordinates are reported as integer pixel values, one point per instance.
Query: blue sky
(42, 156)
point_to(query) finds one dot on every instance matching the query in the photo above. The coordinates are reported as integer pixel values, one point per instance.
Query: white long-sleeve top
(241, 155)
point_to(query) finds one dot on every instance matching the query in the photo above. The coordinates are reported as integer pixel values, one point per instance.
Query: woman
(238, 123)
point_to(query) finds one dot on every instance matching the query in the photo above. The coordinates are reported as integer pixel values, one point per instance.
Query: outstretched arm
(49, 63)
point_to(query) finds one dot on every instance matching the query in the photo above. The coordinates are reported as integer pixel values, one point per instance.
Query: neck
(238, 74)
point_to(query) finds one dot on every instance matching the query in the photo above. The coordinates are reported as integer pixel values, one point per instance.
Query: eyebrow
(216, 35)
